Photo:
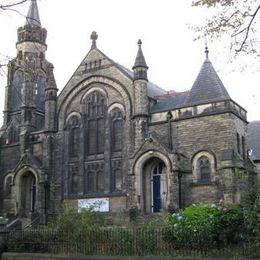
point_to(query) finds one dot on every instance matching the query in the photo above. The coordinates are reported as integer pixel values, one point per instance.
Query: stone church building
(112, 136)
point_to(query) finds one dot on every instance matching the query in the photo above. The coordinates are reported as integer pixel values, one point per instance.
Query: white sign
(97, 205)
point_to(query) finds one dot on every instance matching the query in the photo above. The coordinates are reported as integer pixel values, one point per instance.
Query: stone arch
(66, 97)
(77, 114)
(206, 157)
(142, 170)
(116, 105)
(28, 191)
(91, 90)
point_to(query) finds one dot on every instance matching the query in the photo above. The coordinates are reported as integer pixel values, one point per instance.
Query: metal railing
(124, 242)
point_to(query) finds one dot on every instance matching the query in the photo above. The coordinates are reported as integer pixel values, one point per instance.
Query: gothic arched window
(17, 86)
(8, 186)
(40, 91)
(12, 134)
(204, 169)
(73, 127)
(116, 130)
(95, 130)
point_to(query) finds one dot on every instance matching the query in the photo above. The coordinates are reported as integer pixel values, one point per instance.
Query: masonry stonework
(112, 135)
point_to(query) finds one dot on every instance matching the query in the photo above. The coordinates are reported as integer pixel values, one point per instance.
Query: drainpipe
(179, 173)
(169, 117)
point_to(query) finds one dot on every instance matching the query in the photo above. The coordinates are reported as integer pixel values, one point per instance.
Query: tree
(10, 5)
(236, 18)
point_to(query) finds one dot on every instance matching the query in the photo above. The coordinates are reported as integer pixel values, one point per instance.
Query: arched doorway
(155, 188)
(28, 193)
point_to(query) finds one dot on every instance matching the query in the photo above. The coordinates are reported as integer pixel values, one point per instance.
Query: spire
(140, 68)
(207, 87)
(94, 38)
(32, 30)
(140, 60)
(33, 18)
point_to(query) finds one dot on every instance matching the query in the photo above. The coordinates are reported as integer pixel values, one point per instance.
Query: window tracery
(73, 128)
(40, 91)
(116, 130)
(204, 169)
(95, 130)
(94, 178)
(17, 86)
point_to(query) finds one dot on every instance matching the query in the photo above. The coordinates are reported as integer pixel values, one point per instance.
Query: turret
(51, 102)
(140, 97)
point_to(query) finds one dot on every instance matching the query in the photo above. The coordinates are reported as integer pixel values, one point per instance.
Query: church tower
(31, 89)
(140, 97)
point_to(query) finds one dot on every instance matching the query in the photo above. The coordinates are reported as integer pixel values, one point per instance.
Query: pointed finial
(139, 43)
(94, 38)
(206, 48)
(33, 18)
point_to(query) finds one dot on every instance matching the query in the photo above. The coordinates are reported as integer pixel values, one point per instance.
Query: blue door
(156, 193)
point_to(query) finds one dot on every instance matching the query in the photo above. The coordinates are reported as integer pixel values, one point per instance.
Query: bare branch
(5, 7)
(247, 29)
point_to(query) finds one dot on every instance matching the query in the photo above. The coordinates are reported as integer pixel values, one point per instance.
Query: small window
(243, 148)
(116, 130)
(73, 126)
(204, 169)
(238, 143)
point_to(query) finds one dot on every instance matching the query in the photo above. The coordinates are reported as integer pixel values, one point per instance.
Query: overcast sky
(174, 59)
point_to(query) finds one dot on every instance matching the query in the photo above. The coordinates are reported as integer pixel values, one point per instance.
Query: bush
(251, 214)
(206, 225)
(69, 220)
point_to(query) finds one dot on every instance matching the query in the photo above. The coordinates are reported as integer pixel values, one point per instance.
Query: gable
(94, 64)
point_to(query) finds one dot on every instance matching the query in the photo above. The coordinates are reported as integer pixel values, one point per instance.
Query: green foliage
(133, 214)
(69, 220)
(206, 225)
(251, 213)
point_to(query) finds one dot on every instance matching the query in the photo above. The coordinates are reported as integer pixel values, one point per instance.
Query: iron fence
(125, 242)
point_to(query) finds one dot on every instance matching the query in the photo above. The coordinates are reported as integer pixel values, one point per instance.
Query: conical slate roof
(33, 18)
(140, 60)
(207, 87)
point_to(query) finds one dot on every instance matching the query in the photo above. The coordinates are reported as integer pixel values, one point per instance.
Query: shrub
(69, 220)
(206, 225)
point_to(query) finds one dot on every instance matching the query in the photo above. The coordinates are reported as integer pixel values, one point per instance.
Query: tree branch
(247, 29)
(5, 7)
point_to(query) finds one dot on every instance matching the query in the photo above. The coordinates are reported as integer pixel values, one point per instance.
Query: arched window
(8, 186)
(40, 91)
(95, 129)
(17, 86)
(204, 169)
(73, 127)
(12, 135)
(116, 130)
